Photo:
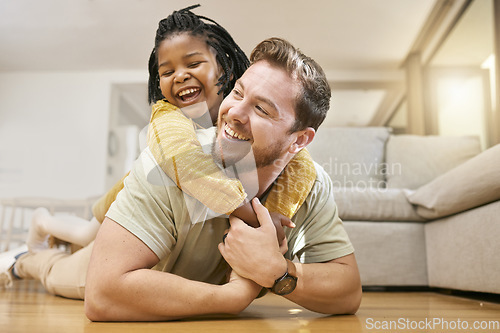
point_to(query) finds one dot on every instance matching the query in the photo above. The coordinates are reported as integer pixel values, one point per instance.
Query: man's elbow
(96, 308)
(349, 303)
(99, 305)
(354, 290)
(92, 311)
(354, 302)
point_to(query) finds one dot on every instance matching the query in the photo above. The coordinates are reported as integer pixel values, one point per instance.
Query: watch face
(285, 286)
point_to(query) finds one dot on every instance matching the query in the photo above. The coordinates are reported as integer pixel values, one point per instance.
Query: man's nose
(238, 112)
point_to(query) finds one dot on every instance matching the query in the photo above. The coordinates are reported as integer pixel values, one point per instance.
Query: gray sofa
(420, 210)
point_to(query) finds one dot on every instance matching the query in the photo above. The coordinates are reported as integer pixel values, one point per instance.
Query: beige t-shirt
(184, 234)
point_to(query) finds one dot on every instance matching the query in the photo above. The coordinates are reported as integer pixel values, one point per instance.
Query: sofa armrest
(471, 184)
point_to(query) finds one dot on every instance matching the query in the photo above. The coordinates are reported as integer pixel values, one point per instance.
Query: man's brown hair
(313, 100)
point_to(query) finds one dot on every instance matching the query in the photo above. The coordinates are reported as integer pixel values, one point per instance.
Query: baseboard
(487, 297)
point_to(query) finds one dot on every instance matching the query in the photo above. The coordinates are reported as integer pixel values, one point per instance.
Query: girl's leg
(71, 229)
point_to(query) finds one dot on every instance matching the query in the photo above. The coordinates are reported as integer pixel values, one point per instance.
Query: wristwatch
(287, 283)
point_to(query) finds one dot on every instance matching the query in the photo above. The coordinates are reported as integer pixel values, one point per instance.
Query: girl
(194, 61)
(215, 62)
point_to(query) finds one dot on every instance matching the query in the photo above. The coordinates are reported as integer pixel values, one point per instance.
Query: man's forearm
(147, 295)
(122, 287)
(331, 288)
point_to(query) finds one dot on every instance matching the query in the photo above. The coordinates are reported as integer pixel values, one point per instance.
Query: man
(276, 106)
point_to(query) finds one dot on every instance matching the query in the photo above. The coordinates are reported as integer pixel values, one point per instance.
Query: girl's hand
(280, 222)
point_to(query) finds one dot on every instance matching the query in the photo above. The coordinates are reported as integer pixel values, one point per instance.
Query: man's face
(258, 113)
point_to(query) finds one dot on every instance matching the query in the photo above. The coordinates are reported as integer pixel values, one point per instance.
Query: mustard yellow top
(173, 142)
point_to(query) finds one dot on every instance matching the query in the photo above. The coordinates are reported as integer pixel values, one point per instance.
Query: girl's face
(189, 72)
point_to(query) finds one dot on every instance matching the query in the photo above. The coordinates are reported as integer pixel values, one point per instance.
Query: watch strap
(290, 276)
(290, 268)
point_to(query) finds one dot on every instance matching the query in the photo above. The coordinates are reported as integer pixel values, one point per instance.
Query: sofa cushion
(413, 160)
(473, 183)
(370, 204)
(351, 156)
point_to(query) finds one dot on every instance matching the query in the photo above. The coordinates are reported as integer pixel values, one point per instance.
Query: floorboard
(28, 308)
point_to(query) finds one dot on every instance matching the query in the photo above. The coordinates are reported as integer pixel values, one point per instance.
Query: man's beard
(232, 153)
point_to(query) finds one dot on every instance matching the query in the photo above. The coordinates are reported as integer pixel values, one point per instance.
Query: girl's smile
(189, 72)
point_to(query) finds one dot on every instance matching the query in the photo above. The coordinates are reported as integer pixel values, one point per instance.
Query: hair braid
(229, 55)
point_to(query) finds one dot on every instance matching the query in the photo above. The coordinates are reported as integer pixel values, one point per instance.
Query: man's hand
(248, 289)
(246, 213)
(253, 252)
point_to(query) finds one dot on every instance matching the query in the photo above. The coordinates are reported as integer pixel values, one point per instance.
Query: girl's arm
(175, 146)
(173, 142)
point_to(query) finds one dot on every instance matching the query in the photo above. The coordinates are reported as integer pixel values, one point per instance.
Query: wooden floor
(28, 308)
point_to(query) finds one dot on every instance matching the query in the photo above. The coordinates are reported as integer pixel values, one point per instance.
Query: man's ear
(302, 139)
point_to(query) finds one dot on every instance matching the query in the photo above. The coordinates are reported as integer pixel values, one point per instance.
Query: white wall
(53, 132)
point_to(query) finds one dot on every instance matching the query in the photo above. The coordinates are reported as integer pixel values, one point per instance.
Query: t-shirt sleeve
(319, 235)
(143, 207)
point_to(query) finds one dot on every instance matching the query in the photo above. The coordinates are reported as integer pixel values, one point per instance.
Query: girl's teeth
(187, 91)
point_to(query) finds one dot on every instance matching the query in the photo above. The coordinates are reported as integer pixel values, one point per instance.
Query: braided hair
(229, 55)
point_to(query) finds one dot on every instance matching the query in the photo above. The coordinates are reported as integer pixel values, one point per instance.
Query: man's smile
(230, 133)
